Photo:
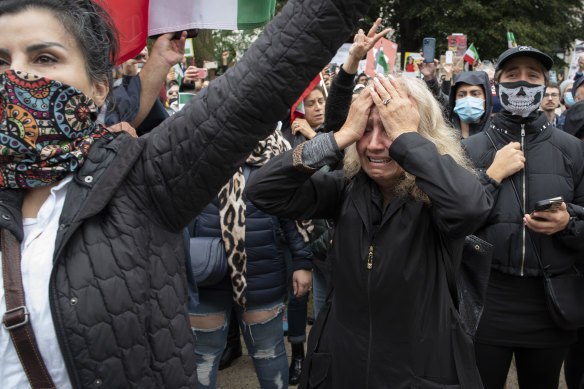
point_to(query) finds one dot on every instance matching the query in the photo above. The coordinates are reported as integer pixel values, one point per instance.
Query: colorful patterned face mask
(46, 130)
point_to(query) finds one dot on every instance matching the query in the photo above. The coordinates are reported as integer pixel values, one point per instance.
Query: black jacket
(554, 167)
(118, 289)
(471, 78)
(393, 326)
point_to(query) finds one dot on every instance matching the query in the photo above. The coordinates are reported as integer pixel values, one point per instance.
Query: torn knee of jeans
(265, 354)
(207, 322)
(261, 317)
(205, 368)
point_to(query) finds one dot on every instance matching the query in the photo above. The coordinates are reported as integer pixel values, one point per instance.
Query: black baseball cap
(525, 51)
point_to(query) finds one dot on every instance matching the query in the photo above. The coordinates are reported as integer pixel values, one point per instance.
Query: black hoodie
(471, 78)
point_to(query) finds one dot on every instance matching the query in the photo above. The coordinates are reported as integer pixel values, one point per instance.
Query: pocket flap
(319, 368)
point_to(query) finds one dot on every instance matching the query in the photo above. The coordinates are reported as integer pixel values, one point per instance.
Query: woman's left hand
(301, 281)
(169, 51)
(398, 112)
(302, 126)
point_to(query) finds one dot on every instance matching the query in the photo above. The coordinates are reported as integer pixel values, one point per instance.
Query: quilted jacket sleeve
(300, 250)
(191, 155)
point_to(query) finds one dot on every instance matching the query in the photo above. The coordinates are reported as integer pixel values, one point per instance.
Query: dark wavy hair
(90, 25)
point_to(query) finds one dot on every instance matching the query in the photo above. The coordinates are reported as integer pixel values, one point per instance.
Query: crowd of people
(142, 236)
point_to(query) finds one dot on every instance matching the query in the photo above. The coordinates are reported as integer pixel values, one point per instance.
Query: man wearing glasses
(551, 101)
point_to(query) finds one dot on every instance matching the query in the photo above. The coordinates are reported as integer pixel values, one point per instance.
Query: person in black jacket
(522, 159)
(391, 322)
(99, 215)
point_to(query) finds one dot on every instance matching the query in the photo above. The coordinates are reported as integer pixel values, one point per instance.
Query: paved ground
(241, 375)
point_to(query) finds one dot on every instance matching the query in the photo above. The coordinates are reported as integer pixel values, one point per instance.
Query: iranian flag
(176, 15)
(471, 56)
(138, 19)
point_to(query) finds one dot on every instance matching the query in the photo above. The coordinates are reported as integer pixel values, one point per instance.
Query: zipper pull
(370, 258)
(523, 130)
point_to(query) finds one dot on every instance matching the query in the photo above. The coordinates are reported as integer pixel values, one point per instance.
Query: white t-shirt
(37, 251)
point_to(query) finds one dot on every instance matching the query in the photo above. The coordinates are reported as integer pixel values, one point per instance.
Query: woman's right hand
(508, 161)
(354, 127)
(361, 45)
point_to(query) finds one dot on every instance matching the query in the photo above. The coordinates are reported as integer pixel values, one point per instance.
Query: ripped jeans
(261, 325)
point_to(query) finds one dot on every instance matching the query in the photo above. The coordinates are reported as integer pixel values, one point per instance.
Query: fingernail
(372, 89)
(375, 79)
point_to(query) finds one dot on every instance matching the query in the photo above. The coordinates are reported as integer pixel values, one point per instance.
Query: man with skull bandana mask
(523, 148)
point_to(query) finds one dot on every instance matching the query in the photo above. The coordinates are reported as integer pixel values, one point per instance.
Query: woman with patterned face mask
(91, 220)
(522, 159)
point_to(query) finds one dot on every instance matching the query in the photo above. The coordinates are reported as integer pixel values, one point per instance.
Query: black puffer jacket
(118, 289)
(554, 167)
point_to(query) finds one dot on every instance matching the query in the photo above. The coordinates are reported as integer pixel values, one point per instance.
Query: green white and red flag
(471, 56)
(138, 19)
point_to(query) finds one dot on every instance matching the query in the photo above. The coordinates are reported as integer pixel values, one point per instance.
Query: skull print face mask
(520, 97)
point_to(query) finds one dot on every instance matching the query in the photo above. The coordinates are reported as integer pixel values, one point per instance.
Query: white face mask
(520, 97)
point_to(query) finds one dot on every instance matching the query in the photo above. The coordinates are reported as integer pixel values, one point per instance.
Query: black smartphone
(429, 49)
(548, 205)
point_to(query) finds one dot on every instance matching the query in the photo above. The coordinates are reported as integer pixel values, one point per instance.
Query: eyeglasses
(172, 92)
(552, 95)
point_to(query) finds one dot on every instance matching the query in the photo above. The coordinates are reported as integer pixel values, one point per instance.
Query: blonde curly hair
(432, 127)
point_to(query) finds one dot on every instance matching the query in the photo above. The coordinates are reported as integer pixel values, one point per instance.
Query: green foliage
(549, 25)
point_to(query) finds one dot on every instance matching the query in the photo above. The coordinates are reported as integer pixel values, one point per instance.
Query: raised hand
(354, 127)
(398, 112)
(168, 50)
(361, 45)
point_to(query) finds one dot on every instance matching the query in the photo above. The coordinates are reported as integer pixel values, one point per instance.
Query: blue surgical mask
(469, 109)
(569, 99)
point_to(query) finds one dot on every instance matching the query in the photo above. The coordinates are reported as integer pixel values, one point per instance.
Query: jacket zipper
(523, 198)
(369, 267)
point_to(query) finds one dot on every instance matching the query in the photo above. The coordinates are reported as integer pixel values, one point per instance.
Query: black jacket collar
(537, 127)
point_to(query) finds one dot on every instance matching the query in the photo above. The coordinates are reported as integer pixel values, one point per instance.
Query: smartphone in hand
(429, 49)
(548, 205)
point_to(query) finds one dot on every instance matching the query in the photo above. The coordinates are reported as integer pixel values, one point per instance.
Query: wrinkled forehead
(374, 118)
(523, 63)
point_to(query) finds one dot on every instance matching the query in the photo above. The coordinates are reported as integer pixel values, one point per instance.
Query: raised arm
(194, 152)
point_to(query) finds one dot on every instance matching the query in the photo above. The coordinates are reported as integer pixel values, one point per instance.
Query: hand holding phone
(548, 205)
(429, 49)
